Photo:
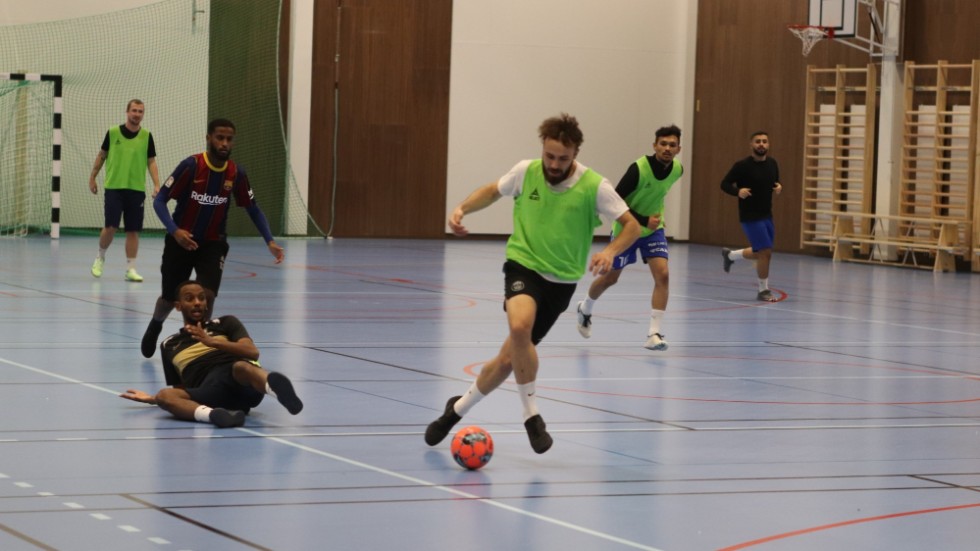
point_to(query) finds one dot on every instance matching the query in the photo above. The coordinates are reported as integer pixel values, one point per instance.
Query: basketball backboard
(840, 15)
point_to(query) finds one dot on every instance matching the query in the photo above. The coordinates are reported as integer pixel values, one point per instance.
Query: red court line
(796, 533)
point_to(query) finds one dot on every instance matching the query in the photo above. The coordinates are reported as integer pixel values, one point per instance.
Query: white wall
(622, 67)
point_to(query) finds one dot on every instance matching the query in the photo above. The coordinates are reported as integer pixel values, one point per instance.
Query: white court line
(359, 464)
(453, 491)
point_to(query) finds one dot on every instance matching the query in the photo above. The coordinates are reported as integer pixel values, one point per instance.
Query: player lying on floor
(212, 367)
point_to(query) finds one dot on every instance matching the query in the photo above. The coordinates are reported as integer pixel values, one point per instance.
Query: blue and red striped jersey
(203, 193)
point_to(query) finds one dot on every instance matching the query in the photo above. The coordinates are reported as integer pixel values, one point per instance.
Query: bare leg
(132, 244)
(603, 282)
(105, 237)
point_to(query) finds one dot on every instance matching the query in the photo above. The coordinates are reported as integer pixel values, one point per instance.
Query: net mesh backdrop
(188, 61)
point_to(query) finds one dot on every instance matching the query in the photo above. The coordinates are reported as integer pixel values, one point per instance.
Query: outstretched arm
(261, 224)
(602, 261)
(483, 197)
(139, 396)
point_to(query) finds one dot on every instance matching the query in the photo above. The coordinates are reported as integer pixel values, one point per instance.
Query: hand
(456, 223)
(93, 186)
(601, 263)
(276, 251)
(185, 239)
(777, 188)
(156, 190)
(744, 192)
(653, 221)
(138, 396)
(199, 334)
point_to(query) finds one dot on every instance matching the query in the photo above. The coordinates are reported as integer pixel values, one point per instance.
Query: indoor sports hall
(843, 415)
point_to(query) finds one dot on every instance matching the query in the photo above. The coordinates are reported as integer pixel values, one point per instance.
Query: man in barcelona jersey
(202, 186)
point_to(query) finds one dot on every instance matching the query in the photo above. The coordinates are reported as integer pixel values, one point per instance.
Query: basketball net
(810, 35)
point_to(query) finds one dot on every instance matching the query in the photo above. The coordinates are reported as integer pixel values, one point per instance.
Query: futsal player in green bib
(557, 206)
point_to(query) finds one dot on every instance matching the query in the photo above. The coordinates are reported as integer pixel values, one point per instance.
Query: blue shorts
(651, 246)
(125, 204)
(761, 233)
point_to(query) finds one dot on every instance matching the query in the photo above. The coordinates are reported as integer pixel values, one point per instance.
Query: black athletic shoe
(225, 418)
(726, 263)
(149, 342)
(283, 387)
(438, 429)
(540, 439)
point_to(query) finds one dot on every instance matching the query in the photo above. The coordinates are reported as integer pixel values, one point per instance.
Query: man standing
(202, 185)
(644, 187)
(212, 367)
(557, 203)
(753, 180)
(127, 152)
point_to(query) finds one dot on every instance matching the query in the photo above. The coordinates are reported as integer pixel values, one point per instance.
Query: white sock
(470, 398)
(268, 389)
(763, 284)
(130, 263)
(656, 316)
(202, 414)
(737, 254)
(527, 399)
(102, 254)
(587, 305)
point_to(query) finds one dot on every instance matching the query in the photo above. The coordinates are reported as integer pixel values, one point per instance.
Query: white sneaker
(584, 321)
(131, 275)
(97, 267)
(656, 342)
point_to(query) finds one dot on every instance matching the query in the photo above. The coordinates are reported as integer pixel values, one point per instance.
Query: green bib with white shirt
(553, 229)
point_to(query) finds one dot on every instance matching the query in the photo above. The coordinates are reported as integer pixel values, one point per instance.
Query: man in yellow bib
(557, 204)
(644, 187)
(127, 152)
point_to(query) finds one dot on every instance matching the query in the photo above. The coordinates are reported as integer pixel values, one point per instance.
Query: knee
(167, 397)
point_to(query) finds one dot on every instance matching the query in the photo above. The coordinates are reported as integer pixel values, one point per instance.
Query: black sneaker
(149, 342)
(224, 418)
(438, 429)
(766, 295)
(283, 387)
(726, 263)
(540, 439)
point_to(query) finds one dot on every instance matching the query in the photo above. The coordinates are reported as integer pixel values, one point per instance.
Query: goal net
(189, 61)
(26, 155)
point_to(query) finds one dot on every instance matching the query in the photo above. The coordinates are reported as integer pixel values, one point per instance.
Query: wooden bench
(861, 237)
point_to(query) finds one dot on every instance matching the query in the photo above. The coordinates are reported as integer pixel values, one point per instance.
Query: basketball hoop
(810, 35)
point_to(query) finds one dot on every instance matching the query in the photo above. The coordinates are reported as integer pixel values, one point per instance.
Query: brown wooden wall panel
(393, 94)
(941, 29)
(751, 76)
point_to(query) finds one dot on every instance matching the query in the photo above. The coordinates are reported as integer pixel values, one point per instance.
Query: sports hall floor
(844, 417)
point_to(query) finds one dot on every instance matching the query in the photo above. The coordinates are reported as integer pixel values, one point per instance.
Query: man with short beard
(754, 180)
(202, 185)
(557, 204)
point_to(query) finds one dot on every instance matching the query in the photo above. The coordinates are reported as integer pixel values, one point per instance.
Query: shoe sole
(658, 347)
(283, 387)
(148, 344)
(225, 419)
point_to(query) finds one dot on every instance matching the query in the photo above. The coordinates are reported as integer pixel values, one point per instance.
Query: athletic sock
(587, 305)
(102, 254)
(130, 263)
(202, 414)
(527, 399)
(736, 255)
(763, 284)
(656, 316)
(469, 399)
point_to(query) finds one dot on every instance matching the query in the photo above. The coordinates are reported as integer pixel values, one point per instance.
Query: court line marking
(452, 491)
(379, 470)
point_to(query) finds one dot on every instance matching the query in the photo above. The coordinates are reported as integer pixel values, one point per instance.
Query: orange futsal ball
(472, 447)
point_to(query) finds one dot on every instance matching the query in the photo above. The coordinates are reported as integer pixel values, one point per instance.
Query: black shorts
(219, 389)
(207, 263)
(126, 205)
(552, 298)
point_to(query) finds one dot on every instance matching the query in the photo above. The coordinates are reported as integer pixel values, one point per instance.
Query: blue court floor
(846, 416)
